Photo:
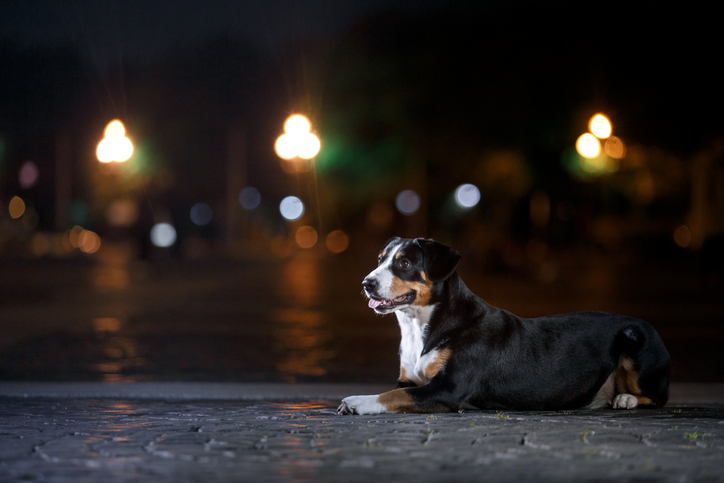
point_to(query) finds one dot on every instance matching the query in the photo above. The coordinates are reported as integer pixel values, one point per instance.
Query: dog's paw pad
(625, 401)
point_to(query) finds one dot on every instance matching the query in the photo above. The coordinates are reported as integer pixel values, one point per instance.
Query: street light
(297, 140)
(114, 146)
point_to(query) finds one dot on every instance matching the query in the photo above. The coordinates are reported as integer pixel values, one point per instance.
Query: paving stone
(45, 439)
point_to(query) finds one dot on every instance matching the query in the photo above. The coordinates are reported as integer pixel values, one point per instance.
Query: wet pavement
(250, 435)
(301, 319)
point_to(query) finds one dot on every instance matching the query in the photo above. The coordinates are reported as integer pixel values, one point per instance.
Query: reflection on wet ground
(297, 319)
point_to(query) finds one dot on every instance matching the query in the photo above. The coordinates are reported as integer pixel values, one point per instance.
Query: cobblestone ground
(144, 440)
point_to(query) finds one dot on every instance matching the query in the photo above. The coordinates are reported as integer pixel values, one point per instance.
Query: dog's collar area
(384, 304)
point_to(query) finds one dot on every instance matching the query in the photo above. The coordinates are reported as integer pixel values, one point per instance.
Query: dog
(459, 352)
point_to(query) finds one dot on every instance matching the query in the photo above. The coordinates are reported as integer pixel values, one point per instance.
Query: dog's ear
(393, 239)
(439, 261)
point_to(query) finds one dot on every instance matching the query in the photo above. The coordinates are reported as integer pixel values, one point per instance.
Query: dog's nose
(369, 284)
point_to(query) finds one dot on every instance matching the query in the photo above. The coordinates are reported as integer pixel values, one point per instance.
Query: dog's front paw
(625, 401)
(361, 405)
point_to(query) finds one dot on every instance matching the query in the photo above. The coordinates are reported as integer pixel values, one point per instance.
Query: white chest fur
(413, 324)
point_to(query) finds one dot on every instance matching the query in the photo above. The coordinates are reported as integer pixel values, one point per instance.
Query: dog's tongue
(374, 303)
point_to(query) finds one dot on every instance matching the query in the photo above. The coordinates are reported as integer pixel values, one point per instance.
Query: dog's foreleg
(422, 399)
(395, 401)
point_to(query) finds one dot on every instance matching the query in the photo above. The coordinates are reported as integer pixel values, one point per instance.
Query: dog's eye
(379, 259)
(404, 263)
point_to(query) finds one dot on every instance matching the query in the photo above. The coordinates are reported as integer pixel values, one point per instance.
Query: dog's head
(406, 273)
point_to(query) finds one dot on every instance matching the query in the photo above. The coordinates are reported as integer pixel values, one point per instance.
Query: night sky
(143, 29)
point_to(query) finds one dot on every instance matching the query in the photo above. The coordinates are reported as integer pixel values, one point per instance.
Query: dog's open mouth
(383, 304)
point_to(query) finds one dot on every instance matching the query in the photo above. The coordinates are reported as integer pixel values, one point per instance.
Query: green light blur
(361, 160)
(141, 163)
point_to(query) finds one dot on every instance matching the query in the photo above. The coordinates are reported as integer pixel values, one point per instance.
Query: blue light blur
(467, 195)
(201, 214)
(291, 208)
(163, 235)
(407, 202)
(249, 198)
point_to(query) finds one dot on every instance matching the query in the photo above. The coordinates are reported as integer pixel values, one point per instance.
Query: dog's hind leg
(642, 375)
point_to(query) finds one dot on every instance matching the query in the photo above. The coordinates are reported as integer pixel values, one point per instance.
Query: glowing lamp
(588, 146)
(298, 141)
(115, 146)
(600, 126)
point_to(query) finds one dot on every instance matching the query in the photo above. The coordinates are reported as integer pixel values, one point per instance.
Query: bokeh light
(285, 147)
(467, 195)
(122, 212)
(163, 235)
(28, 175)
(682, 236)
(16, 207)
(308, 146)
(115, 129)
(614, 147)
(115, 146)
(337, 241)
(306, 237)
(72, 236)
(249, 198)
(201, 214)
(298, 141)
(407, 202)
(297, 124)
(588, 146)
(600, 126)
(89, 242)
(291, 208)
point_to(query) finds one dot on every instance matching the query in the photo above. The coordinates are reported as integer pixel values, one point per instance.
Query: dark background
(403, 95)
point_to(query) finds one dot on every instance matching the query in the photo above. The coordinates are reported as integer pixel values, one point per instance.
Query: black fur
(500, 360)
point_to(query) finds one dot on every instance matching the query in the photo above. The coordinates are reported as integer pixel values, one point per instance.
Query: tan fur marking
(398, 255)
(627, 382)
(397, 401)
(401, 287)
(438, 364)
(403, 375)
(424, 277)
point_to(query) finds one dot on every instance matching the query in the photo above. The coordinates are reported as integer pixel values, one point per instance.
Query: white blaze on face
(383, 275)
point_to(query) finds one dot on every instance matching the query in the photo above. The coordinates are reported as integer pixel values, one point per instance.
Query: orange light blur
(600, 126)
(614, 147)
(682, 236)
(306, 237)
(89, 242)
(588, 146)
(16, 207)
(337, 241)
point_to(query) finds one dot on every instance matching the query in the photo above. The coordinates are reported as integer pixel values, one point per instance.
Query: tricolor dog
(458, 351)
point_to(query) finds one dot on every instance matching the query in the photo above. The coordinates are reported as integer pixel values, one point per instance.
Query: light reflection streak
(302, 341)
